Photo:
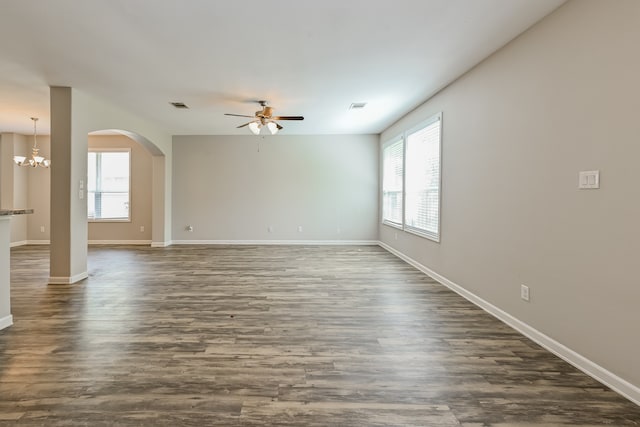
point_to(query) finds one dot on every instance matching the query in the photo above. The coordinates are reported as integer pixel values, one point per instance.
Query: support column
(68, 189)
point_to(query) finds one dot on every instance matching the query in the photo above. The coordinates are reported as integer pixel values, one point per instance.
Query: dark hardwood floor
(277, 336)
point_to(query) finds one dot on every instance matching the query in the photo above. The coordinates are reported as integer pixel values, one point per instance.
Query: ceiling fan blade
(287, 118)
(237, 115)
(278, 126)
(246, 124)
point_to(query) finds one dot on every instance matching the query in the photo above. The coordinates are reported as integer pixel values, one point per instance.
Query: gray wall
(236, 187)
(14, 182)
(39, 199)
(517, 129)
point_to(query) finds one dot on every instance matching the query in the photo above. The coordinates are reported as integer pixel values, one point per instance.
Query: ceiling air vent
(179, 104)
(357, 105)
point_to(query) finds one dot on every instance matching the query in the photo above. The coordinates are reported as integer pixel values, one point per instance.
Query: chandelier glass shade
(36, 160)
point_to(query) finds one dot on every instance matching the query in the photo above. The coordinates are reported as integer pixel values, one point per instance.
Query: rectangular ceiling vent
(179, 104)
(357, 105)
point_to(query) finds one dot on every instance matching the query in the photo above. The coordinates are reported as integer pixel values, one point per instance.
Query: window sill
(423, 234)
(392, 224)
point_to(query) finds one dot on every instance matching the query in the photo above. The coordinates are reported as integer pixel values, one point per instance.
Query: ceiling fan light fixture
(273, 128)
(264, 118)
(254, 127)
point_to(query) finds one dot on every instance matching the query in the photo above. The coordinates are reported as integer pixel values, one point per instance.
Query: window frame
(404, 136)
(112, 150)
(390, 142)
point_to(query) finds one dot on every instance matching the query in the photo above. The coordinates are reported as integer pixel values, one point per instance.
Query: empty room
(340, 213)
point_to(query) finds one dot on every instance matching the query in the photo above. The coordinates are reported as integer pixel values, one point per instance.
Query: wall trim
(276, 242)
(6, 321)
(38, 242)
(18, 243)
(92, 242)
(160, 244)
(119, 242)
(597, 372)
(95, 242)
(68, 280)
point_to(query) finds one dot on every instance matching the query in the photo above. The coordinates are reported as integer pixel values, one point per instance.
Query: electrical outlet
(270, 229)
(42, 228)
(524, 292)
(299, 229)
(142, 228)
(189, 228)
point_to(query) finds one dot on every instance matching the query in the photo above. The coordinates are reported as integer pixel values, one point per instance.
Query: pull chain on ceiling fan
(264, 119)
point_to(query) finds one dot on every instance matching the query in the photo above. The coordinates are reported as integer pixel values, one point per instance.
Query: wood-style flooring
(275, 336)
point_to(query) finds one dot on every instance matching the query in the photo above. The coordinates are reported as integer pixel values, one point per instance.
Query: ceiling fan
(264, 118)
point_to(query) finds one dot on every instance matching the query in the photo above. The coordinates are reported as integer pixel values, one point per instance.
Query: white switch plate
(524, 292)
(589, 180)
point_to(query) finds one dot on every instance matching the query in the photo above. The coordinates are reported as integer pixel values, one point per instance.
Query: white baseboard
(90, 242)
(68, 280)
(160, 244)
(38, 242)
(20, 243)
(276, 242)
(119, 242)
(587, 366)
(6, 321)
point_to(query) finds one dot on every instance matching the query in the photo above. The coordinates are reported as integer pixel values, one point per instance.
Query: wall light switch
(589, 180)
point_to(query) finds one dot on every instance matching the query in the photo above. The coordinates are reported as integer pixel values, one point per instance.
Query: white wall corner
(597, 372)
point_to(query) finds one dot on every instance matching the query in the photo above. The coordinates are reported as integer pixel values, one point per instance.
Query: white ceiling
(306, 58)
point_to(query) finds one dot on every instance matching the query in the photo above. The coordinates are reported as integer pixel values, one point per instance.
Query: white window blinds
(422, 179)
(392, 185)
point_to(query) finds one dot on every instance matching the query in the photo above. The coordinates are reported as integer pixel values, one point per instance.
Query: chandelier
(36, 160)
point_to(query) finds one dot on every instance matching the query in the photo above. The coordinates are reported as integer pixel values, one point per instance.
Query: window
(392, 175)
(411, 180)
(108, 185)
(422, 179)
